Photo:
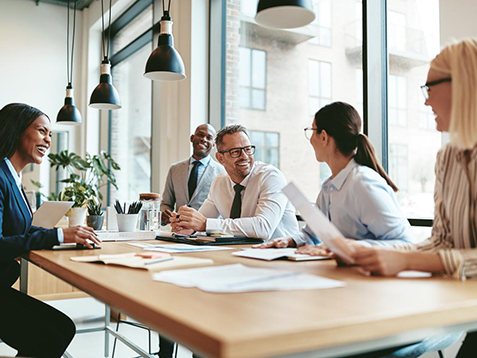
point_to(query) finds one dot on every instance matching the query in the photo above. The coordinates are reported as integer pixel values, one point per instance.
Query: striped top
(454, 233)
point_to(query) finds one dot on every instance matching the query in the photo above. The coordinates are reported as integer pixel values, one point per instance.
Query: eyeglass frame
(310, 129)
(241, 149)
(425, 87)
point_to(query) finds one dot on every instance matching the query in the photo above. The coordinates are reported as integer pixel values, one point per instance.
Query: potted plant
(86, 177)
(95, 216)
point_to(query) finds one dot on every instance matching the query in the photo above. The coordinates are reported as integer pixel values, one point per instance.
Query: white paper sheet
(317, 222)
(179, 248)
(240, 278)
(414, 274)
(272, 254)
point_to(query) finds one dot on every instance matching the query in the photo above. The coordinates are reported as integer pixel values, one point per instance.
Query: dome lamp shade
(284, 14)
(69, 114)
(105, 95)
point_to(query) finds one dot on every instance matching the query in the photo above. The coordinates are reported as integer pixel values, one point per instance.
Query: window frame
(129, 50)
(375, 75)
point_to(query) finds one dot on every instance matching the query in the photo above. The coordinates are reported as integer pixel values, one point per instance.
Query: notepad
(154, 264)
(125, 236)
(273, 254)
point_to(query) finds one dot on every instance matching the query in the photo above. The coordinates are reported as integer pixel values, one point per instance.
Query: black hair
(342, 122)
(15, 118)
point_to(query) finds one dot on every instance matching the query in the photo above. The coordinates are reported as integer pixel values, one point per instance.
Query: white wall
(33, 61)
(457, 20)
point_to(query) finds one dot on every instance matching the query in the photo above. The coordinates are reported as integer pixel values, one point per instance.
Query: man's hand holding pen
(187, 220)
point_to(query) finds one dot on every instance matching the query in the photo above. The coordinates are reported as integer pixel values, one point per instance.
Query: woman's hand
(280, 243)
(315, 250)
(381, 261)
(80, 235)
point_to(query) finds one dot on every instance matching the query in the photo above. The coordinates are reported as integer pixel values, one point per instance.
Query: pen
(158, 260)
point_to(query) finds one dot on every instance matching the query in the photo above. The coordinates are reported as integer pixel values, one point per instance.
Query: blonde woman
(451, 91)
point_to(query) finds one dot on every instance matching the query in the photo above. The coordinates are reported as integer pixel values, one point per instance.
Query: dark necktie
(193, 178)
(236, 210)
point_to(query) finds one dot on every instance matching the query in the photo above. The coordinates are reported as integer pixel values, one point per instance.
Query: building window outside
(398, 165)
(322, 23)
(319, 84)
(267, 147)
(413, 34)
(130, 127)
(289, 98)
(253, 78)
(397, 101)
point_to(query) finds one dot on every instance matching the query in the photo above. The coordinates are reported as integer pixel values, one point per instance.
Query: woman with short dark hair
(33, 328)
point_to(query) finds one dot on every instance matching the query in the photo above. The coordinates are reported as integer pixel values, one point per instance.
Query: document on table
(125, 236)
(240, 278)
(179, 248)
(272, 254)
(319, 224)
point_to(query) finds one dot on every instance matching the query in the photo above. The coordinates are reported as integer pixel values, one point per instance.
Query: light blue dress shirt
(18, 181)
(360, 203)
(200, 169)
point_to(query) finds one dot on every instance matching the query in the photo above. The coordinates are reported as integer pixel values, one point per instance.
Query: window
(413, 34)
(396, 30)
(275, 80)
(398, 165)
(253, 64)
(322, 23)
(267, 147)
(397, 101)
(319, 84)
(130, 127)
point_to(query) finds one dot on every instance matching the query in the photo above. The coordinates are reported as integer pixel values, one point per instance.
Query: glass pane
(131, 128)
(258, 99)
(299, 77)
(134, 29)
(272, 157)
(258, 69)
(257, 138)
(245, 97)
(245, 67)
(413, 141)
(272, 139)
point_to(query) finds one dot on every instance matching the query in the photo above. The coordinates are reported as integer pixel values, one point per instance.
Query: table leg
(107, 320)
(23, 275)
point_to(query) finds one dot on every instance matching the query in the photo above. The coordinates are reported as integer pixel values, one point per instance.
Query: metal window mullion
(375, 71)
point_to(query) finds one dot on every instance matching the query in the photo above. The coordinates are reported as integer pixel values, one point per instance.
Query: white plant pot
(127, 222)
(77, 217)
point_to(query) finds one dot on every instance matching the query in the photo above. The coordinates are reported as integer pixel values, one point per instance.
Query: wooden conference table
(369, 313)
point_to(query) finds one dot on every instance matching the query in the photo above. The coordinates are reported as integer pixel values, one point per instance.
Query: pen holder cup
(127, 222)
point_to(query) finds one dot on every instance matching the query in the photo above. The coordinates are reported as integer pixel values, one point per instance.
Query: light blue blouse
(360, 203)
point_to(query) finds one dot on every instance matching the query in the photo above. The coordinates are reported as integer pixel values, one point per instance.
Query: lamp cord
(102, 28)
(109, 28)
(164, 6)
(69, 67)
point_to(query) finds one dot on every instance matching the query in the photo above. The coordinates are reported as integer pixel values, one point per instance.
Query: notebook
(273, 254)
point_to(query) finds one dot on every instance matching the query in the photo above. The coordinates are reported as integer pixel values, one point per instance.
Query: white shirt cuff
(61, 236)
(213, 226)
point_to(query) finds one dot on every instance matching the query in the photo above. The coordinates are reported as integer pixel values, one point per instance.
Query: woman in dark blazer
(32, 327)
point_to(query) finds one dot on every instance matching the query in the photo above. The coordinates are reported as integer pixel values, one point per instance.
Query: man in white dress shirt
(246, 200)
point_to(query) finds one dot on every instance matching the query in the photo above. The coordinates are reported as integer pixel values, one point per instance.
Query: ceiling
(80, 4)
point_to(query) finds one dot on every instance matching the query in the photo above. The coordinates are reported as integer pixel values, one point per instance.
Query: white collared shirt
(18, 181)
(266, 211)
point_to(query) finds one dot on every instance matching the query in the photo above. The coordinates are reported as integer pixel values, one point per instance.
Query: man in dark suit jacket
(188, 182)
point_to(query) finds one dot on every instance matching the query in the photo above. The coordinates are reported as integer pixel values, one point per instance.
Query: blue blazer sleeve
(17, 235)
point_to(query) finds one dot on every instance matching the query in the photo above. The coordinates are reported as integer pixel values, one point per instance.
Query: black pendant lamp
(284, 14)
(105, 96)
(69, 114)
(165, 63)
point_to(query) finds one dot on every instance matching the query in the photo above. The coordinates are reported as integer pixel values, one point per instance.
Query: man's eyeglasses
(309, 132)
(237, 152)
(425, 88)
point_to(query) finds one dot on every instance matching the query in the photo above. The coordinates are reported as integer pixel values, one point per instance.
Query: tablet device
(50, 212)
